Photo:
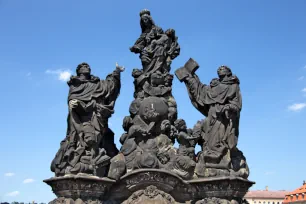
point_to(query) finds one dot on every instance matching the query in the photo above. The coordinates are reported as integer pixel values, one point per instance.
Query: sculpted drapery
(221, 103)
(89, 144)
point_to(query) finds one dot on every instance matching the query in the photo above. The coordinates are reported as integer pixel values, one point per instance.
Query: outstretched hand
(119, 68)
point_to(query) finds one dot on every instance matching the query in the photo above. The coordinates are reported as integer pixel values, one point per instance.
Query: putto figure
(88, 146)
(221, 103)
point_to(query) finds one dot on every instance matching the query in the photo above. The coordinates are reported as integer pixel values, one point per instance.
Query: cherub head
(165, 126)
(168, 80)
(172, 114)
(157, 79)
(127, 123)
(137, 72)
(180, 125)
(170, 33)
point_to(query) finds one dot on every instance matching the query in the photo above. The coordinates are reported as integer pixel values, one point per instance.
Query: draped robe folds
(163, 50)
(154, 57)
(96, 100)
(219, 130)
(144, 40)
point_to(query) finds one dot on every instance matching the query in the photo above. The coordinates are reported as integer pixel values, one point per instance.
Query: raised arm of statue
(113, 83)
(196, 89)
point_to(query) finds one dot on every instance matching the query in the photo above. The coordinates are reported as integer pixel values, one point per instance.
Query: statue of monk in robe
(221, 103)
(89, 143)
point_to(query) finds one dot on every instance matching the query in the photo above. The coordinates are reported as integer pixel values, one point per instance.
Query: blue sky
(43, 41)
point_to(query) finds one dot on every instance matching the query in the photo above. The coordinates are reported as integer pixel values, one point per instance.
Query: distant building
(298, 196)
(266, 196)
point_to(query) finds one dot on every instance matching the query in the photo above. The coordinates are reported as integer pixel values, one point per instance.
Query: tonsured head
(83, 68)
(224, 71)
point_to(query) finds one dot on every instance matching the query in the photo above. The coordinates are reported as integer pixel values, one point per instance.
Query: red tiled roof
(297, 195)
(266, 194)
(301, 189)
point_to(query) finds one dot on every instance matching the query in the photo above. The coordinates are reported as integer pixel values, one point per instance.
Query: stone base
(148, 186)
(79, 187)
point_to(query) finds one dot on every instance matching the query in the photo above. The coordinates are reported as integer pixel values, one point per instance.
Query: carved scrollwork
(223, 188)
(75, 187)
(153, 177)
(214, 200)
(63, 200)
(151, 193)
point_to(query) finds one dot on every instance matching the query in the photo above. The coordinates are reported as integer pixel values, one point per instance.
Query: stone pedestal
(148, 186)
(79, 188)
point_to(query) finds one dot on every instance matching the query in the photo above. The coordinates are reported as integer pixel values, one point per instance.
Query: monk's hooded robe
(96, 103)
(220, 128)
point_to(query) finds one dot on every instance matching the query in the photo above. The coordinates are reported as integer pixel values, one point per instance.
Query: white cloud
(297, 106)
(9, 174)
(62, 75)
(29, 180)
(301, 78)
(13, 194)
(304, 90)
